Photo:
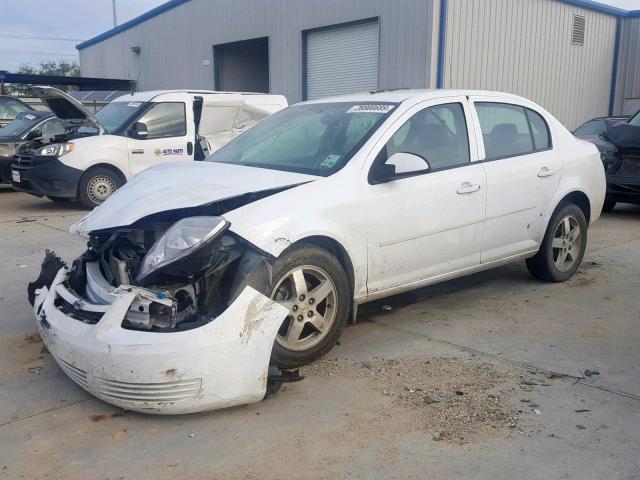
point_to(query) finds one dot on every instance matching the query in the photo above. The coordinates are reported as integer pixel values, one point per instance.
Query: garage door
(342, 60)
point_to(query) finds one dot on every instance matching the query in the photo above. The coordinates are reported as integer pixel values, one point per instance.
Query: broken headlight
(181, 240)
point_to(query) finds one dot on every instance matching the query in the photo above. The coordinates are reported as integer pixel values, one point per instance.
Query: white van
(95, 154)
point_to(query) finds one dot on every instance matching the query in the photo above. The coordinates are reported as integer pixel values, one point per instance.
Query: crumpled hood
(175, 185)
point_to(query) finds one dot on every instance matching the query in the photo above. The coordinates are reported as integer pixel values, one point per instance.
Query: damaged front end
(163, 316)
(620, 151)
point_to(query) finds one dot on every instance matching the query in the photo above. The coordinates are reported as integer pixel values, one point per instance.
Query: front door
(160, 135)
(431, 213)
(523, 171)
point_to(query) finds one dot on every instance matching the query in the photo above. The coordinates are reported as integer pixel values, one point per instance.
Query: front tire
(563, 246)
(312, 285)
(98, 184)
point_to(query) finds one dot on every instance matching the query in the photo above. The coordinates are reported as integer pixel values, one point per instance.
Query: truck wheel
(312, 285)
(563, 246)
(96, 185)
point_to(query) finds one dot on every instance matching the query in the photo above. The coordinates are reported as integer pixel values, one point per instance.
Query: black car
(592, 129)
(29, 129)
(10, 107)
(619, 147)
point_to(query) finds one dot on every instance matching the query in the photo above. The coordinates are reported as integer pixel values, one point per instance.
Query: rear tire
(98, 184)
(563, 246)
(608, 205)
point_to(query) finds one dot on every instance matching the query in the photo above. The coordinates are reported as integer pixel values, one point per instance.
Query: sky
(80, 20)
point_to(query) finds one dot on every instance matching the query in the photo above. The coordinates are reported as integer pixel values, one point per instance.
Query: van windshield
(115, 115)
(316, 138)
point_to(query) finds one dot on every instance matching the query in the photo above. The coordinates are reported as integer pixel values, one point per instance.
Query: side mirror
(33, 134)
(139, 130)
(399, 165)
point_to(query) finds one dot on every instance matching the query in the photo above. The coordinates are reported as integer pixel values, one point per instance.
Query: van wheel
(97, 185)
(608, 205)
(563, 246)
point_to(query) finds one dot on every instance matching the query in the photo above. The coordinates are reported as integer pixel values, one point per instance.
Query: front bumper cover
(218, 365)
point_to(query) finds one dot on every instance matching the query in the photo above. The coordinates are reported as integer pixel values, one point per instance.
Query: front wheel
(312, 285)
(96, 185)
(563, 246)
(608, 205)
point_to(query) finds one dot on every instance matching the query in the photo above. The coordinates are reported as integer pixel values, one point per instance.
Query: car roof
(398, 96)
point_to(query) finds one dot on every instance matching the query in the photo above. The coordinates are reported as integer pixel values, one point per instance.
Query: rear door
(523, 170)
(170, 136)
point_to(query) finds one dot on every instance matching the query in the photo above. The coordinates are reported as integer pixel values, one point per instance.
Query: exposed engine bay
(181, 293)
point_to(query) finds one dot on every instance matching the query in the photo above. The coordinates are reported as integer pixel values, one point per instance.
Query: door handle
(546, 172)
(468, 187)
(189, 148)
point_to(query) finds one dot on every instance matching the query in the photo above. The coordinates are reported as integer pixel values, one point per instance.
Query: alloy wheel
(310, 296)
(566, 244)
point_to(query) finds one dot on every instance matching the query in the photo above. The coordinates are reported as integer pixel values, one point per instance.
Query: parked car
(102, 152)
(201, 282)
(619, 147)
(29, 128)
(592, 129)
(10, 107)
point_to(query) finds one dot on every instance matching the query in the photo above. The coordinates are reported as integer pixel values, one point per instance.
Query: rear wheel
(98, 184)
(312, 285)
(563, 246)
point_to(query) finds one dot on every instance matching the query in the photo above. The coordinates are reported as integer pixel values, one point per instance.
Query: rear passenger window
(505, 130)
(539, 130)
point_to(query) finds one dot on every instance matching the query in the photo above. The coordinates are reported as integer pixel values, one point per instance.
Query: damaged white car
(204, 282)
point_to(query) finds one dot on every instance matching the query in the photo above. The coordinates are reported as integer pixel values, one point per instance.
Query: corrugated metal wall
(175, 44)
(524, 47)
(627, 98)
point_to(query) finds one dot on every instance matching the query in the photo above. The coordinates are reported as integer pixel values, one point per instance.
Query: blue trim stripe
(442, 40)
(614, 71)
(165, 7)
(598, 7)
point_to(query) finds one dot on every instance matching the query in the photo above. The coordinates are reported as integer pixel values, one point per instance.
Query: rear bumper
(623, 189)
(52, 178)
(220, 364)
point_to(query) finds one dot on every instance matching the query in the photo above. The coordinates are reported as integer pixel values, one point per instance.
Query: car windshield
(635, 120)
(115, 115)
(10, 108)
(316, 138)
(20, 125)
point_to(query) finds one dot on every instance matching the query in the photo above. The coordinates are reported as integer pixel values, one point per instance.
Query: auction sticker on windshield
(370, 109)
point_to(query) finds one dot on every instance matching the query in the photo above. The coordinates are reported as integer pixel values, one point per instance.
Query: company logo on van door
(169, 151)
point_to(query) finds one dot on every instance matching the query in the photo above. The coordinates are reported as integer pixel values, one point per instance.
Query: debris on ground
(588, 373)
(454, 400)
(386, 308)
(581, 427)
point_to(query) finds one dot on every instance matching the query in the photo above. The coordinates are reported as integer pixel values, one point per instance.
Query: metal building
(577, 58)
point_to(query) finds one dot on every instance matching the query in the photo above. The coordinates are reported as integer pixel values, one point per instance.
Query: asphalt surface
(331, 426)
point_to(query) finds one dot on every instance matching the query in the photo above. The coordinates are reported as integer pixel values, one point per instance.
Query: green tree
(61, 68)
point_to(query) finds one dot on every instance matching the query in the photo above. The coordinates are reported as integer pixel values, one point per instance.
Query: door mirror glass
(399, 165)
(139, 130)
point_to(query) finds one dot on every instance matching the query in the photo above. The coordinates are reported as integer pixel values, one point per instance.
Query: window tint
(539, 130)
(52, 127)
(505, 130)
(437, 134)
(165, 120)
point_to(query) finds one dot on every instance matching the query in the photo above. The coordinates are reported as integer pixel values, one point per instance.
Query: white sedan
(203, 281)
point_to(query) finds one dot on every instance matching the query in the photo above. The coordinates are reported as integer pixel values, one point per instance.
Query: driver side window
(436, 134)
